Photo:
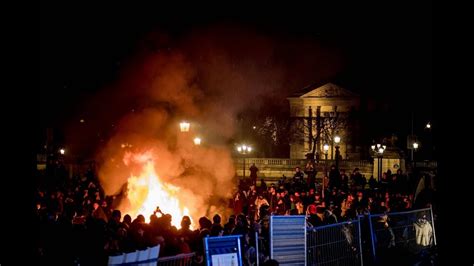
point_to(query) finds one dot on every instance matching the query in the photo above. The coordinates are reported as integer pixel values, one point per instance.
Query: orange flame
(147, 191)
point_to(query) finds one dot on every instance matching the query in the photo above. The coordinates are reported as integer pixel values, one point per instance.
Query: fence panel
(335, 244)
(223, 250)
(178, 260)
(411, 233)
(288, 239)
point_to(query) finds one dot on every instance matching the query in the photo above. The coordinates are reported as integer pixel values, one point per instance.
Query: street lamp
(197, 141)
(244, 149)
(62, 151)
(378, 152)
(126, 145)
(415, 147)
(326, 149)
(337, 140)
(428, 126)
(184, 126)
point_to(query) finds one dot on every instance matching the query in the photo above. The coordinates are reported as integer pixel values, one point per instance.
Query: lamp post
(197, 141)
(337, 140)
(184, 126)
(378, 152)
(415, 147)
(244, 149)
(61, 156)
(326, 150)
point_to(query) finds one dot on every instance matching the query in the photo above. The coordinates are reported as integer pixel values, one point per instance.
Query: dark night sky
(388, 48)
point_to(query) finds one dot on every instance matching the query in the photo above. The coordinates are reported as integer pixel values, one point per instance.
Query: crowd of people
(79, 224)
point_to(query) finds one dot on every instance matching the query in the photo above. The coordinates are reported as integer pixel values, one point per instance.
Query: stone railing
(271, 168)
(270, 161)
(427, 164)
(293, 163)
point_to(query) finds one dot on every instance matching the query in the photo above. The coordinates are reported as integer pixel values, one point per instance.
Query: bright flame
(147, 192)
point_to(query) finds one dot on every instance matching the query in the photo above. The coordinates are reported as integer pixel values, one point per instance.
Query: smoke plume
(205, 77)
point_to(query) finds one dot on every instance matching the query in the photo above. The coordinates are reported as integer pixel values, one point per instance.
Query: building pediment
(329, 90)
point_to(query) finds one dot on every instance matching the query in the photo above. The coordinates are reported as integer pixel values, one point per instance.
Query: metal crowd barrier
(335, 244)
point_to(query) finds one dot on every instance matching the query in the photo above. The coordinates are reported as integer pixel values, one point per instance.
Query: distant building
(334, 108)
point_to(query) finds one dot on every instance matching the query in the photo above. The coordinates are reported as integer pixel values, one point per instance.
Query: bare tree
(319, 129)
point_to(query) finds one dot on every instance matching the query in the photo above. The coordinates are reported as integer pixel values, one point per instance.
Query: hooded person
(423, 232)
